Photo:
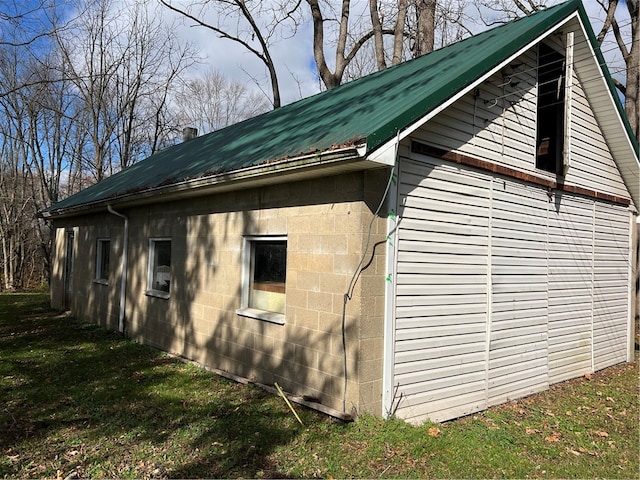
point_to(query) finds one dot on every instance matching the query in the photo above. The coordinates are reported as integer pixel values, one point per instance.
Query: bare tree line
(83, 98)
(87, 88)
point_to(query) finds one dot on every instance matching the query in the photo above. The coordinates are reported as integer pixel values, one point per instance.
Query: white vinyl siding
(592, 165)
(502, 288)
(570, 287)
(441, 291)
(497, 122)
(611, 265)
(519, 315)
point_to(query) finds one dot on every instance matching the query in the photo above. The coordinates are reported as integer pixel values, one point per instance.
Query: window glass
(268, 275)
(160, 268)
(103, 252)
(550, 112)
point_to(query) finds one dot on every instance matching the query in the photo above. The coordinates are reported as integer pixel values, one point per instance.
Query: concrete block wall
(91, 300)
(326, 222)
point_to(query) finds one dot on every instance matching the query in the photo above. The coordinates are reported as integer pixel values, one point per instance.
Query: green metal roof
(371, 109)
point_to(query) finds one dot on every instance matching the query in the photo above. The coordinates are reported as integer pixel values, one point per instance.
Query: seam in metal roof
(369, 110)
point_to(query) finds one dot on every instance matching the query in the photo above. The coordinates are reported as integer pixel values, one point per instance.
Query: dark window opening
(550, 113)
(266, 282)
(102, 260)
(270, 266)
(160, 268)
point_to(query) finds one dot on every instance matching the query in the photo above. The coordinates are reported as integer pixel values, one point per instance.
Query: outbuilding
(442, 236)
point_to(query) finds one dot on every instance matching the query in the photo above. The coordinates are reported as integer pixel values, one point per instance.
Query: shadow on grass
(79, 400)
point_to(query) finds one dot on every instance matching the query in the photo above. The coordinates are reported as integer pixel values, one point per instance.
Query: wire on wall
(358, 270)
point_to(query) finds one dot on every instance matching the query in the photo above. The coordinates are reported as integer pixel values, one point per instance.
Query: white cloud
(293, 57)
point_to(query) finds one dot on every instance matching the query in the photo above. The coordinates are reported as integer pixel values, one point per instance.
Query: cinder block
(320, 301)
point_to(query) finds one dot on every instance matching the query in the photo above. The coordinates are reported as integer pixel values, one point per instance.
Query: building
(427, 241)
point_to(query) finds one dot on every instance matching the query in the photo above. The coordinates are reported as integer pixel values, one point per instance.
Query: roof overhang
(330, 162)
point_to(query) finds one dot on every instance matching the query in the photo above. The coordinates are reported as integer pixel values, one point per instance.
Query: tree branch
(264, 56)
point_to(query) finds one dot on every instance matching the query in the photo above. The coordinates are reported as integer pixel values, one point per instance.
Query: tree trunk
(398, 36)
(378, 39)
(426, 16)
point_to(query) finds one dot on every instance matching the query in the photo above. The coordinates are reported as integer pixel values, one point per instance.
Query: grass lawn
(78, 401)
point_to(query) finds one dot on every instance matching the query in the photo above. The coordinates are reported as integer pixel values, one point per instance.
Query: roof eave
(298, 168)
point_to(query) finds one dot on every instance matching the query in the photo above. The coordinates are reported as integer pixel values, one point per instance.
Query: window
(159, 267)
(103, 251)
(264, 278)
(550, 114)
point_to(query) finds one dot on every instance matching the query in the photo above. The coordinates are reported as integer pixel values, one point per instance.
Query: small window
(159, 266)
(550, 112)
(264, 278)
(103, 252)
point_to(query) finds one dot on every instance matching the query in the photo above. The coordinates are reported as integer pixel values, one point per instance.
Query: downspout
(123, 281)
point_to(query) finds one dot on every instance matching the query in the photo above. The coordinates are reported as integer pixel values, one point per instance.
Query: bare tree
(630, 51)
(16, 207)
(212, 101)
(388, 20)
(120, 64)
(27, 28)
(53, 138)
(25, 23)
(246, 32)
(378, 14)
(425, 26)
(91, 97)
(148, 75)
(497, 12)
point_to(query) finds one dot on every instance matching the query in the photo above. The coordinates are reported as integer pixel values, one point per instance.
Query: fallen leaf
(568, 413)
(588, 376)
(434, 431)
(531, 431)
(573, 452)
(554, 437)
(609, 399)
(601, 434)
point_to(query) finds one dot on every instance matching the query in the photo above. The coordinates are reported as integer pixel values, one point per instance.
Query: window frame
(100, 275)
(151, 264)
(248, 263)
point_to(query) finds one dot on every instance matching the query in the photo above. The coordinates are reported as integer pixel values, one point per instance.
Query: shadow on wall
(199, 322)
